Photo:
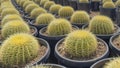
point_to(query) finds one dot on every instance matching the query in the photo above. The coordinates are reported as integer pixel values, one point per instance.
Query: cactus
(66, 12)
(108, 5)
(55, 8)
(45, 18)
(40, 66)
(48, 4)
(96, 0)
(18, 50)
(101, 25)
(80, 43)
(42, 2)
(14, 27)
(36, 12)
(37, 1)
(22, 2)
(80, 17)
(115, 63)
(104, 1)
(83, 1)
(30, 7)
(8, 18)
(117, 3)
(59, 27)
(27, 3)
(6, 4)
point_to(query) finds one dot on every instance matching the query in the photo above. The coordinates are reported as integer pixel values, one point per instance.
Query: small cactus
(101, 25)
(80, 17)
(117, 3)
(115, 63)
(48, 4)
(83, 1)
(18, 50)
(108, 5)
(30, 7)
(66, 12)
(80, 43)
(36, 12)
(27, 3)
(59, 27)
(45, 18)
(13, 27)
(42, 2)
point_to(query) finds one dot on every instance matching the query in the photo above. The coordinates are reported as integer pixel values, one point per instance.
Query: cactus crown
(104, 1)
(101, 25)
(108, 5)
(66, 11)
(80, 17)
(83, 1)
(115, 63)
(59, 27)
(48, 4)
(30, 7)
(45, 18)
(19, 49)
(117, 3)
(42, 2)
(27, 3)
(80, 43)
(36, 12)
(14, 27)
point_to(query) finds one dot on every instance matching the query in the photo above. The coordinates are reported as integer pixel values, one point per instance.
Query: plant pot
(112, 45)
(77, 63)
(94, 6)
(110, 12)
(73, 3)
(35, 33)
(118, 16)
(84, 6)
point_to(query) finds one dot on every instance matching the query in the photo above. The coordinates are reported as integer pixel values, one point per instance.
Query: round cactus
(45, 18)
(115, 63)
(30, 7)
(80, 43)
(101, 25)
(36, 12)
(37, 1)
(80, 17)
(83, 1)
(55, 8)
(22, 2)
(42, 2)
(6, 4)
(117, 3)
(14, 27)
(48, 4)
(108, 5)
(18, 50)
(27, 3)
(104, 1)
(66, 12)
(59, 27)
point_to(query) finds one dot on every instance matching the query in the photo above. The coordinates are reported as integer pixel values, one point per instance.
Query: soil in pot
(116, 42)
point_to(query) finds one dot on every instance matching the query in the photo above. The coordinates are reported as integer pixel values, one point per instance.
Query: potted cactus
(107, 63)
(48, 4)
(42, 2)
(22, 49)
(94, 5)
(108, 9)
(80, 49)
(80, 18)
(73, 4)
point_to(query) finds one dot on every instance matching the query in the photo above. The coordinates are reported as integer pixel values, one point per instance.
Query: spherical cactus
(37, 1)
(104, 1)
(80, 17)
(14, 27)
(108, 5)
(55, 8)
(30, 7)
(42, 2)
(45, 18)
(59, 27)
(117, 3)
(18, 50)
(22, 2)
(101, 25)
(6, 4)
(8, 18)
(115, 63)
(83, 1)
(66, 12)
(80, 43)
(27, 3)
(36, 12)
(48, 4)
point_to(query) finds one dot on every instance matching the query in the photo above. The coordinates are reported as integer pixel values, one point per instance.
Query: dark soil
(116, 42)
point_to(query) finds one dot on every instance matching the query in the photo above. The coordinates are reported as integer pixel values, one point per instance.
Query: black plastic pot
(118, 16)
(94, 5)
(73, 3)
(110, 12)
(35, 31)
(112, 46)
(78, 64)
(84, 6)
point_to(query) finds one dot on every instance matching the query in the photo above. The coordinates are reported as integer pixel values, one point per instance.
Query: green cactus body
(80, 43)
(37, 1)
(18, 50)
(45, 18)
(59, 27)
(30, 7)
(22, 2)
(14, 27)
(108, 5)
(117, 3)
(101, 25)
(104, 1)
(66, 12)
(6, 5)
(55, 8)
(83, 1)
(41, 66)
(115, 63)
(48, 4)
(42, 2)
(27, 3)
(96, 0)
(80, 17)
(37, 11)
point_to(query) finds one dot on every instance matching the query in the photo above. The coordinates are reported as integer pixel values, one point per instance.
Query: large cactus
(13, 27)
(80, 17)
(18, 50)
(48, 4)
(59, 27)
(108, 5)
(80, 43)
(101, 25)
(30, 7)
